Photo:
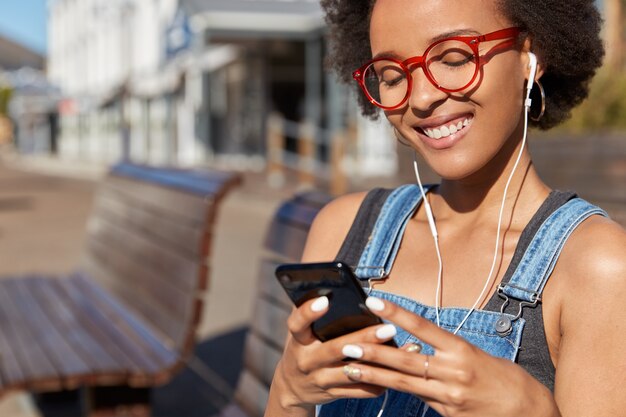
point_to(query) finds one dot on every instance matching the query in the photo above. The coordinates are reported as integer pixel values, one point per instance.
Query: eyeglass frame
(472, 41)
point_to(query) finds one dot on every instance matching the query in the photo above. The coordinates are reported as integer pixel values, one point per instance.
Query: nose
(424, 95)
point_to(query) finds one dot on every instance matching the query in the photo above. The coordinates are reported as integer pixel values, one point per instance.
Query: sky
(24, 21)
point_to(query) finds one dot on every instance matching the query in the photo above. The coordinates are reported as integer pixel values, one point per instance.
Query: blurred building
(28, 106)
(191, 81)
(15, 56)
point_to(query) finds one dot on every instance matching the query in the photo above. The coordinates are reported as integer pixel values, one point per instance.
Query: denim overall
(497, 333)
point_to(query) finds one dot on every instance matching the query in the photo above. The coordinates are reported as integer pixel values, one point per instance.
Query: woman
(531, 326)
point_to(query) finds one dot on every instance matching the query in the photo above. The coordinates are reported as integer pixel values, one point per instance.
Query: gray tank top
(534, 355)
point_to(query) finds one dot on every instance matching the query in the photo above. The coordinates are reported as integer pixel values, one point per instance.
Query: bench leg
(118, 401)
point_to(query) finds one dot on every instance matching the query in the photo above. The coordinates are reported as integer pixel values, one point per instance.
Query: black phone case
(347, 311)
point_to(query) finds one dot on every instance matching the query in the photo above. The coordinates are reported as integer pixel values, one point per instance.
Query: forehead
(409, 26)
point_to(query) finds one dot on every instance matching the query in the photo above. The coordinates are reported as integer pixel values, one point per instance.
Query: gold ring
(352, 372)
(417, 348)
(426, 366)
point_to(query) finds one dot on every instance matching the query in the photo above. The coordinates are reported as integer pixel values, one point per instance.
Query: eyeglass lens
(451, 65)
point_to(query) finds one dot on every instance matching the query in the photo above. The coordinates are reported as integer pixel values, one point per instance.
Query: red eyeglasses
(450, 64)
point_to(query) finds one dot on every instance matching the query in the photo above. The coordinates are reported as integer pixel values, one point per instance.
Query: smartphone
(347, 311)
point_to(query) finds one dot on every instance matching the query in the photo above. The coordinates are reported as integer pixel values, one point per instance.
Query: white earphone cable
(435, 234)
(433, 228)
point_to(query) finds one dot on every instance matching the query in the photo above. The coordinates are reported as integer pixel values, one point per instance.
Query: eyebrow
(445, 35)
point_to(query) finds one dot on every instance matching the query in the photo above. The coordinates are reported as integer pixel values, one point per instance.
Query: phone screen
(347, 311)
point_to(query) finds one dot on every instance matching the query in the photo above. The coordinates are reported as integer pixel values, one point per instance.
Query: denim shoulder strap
(380, 252)
(534, 269)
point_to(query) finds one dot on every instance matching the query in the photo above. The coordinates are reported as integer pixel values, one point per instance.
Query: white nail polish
(352, 351)
(386, 332)
(375, 304)
(320, 304)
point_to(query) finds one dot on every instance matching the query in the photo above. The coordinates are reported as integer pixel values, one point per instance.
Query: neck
(480, 196)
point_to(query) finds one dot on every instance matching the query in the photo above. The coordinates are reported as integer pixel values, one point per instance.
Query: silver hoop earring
(400, 138)
(543, 102)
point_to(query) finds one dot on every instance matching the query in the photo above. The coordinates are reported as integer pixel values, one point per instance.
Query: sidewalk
(44, 204)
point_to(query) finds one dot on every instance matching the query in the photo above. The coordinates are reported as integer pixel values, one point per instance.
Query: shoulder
(595, 252)
(330, 227)
(592, 323)
(594, 264)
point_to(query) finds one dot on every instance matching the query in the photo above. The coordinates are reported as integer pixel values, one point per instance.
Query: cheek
(502, 94)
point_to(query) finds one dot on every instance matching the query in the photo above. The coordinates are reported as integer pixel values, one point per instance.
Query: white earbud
(532, 65)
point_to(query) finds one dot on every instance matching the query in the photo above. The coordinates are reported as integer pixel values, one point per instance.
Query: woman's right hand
(311, 372)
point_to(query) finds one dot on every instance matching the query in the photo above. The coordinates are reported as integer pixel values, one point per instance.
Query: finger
(301, 318)
(431, 389)
(411, 363)
(412, 323)
(336, 376)
(360, 391)
(333, 351)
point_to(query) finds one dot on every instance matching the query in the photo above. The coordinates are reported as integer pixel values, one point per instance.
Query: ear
(527, 47)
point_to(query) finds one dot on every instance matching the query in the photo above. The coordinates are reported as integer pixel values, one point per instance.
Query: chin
(455, 169)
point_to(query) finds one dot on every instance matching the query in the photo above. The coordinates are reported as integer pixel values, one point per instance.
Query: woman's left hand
(459, 379)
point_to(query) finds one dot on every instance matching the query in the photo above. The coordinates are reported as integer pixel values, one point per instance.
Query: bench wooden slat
(187, 206)
(148, 294)
(268, 285)
(290, 225)
(30, 357)
(297, 213)
(284, 241)
(287, 241)
(251, 394)
(594, 167)
(145, 251)
(117, 336)
(93, 326)
(138, 302)
(172, 299)
(191, 181)
(51, 298)
(261, 358)
(143, 338)
(176, 233)
(269, 321)
(12, 372)
(68, 363)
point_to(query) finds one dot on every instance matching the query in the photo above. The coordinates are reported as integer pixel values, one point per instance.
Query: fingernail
(352, 372)
(320, 304)
(352, 351)
(386, 332)
(375, 304)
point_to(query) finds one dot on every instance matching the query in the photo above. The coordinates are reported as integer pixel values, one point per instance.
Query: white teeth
(445, 131)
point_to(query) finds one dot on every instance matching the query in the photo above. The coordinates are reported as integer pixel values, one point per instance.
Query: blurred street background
(238, 85)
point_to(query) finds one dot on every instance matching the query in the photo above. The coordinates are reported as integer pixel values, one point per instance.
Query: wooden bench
(127, 317)
(284, 243)
(593, 166)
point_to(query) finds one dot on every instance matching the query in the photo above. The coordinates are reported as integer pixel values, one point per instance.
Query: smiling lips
(447, 129)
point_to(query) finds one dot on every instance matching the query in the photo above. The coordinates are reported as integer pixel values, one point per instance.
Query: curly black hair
(565, 35)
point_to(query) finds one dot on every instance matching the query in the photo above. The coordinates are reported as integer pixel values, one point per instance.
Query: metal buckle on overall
(504, 324)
